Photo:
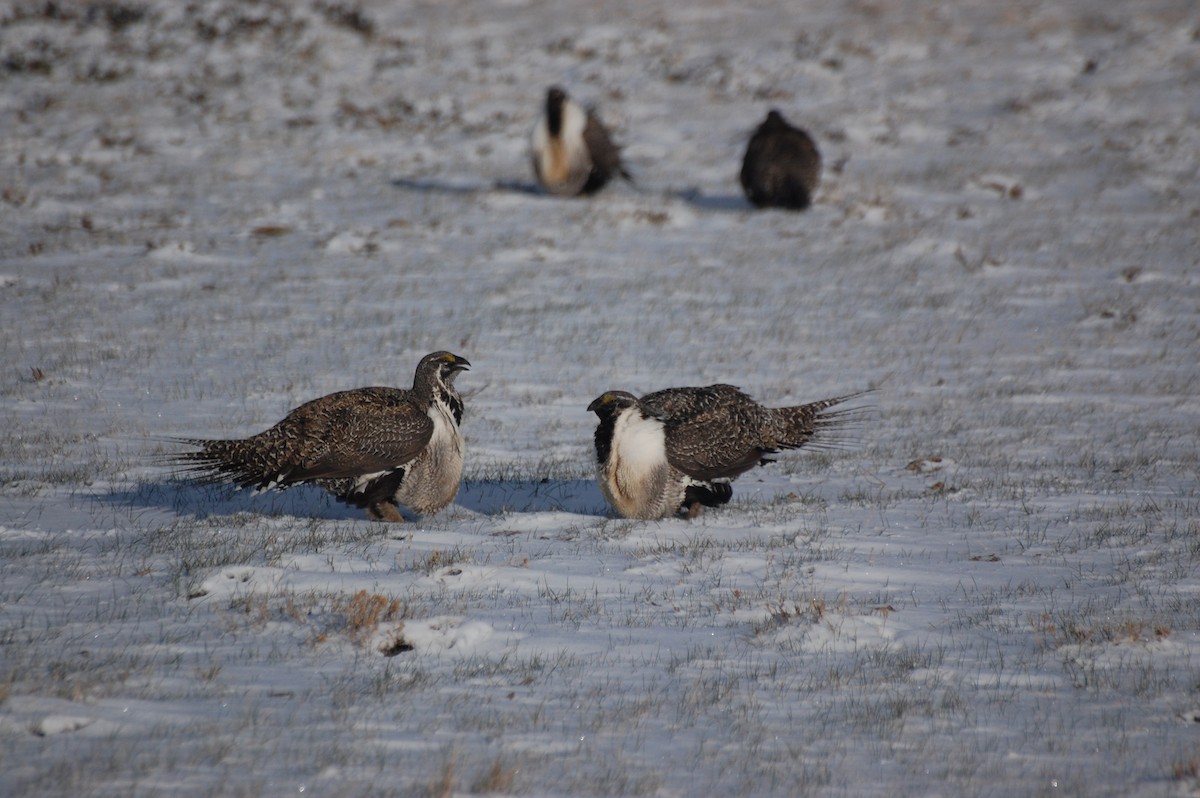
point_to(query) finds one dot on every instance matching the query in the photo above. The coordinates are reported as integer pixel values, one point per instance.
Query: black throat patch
(453, 401)
(604, 437)
(554, 115)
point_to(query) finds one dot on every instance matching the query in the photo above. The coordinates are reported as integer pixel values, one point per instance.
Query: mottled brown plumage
(782, 166)
(374, 448)
(679, 448)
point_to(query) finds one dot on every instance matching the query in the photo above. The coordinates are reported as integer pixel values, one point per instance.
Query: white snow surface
(213, 211)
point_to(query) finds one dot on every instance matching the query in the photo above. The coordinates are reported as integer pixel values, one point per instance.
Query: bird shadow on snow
(215, 501)
(727, 203)
(715, 202)
(483, 496)
(499, 496)
(465, 186)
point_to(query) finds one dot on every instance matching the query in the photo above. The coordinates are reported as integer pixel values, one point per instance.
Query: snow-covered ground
(212, 211)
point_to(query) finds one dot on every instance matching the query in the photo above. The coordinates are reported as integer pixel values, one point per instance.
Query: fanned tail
(244, 462)
(816, 426)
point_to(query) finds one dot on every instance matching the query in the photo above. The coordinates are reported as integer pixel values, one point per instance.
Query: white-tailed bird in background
(571, 149)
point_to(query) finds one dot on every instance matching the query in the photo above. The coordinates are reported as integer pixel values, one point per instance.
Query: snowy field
(212, 211)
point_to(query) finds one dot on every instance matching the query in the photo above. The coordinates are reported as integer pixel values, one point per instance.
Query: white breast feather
(574, 121)
(444, 428)
(568, 156)
(638, 468)
(639, 444)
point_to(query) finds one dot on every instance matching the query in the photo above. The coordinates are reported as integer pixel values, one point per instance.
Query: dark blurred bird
(375, 448)
(678, 449)
(571, 149)
(782, 167)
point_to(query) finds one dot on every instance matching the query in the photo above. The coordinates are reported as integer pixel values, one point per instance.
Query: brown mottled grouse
(375, 448)
(678, 449)
(571, 149)
(782, 167)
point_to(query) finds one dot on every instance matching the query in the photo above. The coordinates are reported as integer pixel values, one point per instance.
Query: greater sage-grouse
(571, 149)
(782, 167)
(374, 448)
(678, 449)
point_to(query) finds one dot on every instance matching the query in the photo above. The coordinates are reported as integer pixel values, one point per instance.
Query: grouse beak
(460, 363)
(597, 403)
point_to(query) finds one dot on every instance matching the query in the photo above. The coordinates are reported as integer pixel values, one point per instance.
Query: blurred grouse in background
(677, 450)
(572, 152)
(782, 167)
(374, 448)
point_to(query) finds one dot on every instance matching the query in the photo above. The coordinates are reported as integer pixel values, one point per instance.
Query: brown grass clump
(363, 612)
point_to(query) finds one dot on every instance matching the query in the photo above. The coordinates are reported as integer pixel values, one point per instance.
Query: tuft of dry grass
(356, 616)
(443, 784)
(1186, 769)
(361, 614)
(497, 779)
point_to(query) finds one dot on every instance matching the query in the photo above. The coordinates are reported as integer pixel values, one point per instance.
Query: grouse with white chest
(377, 448)
(571, 149)
(677, 450)
(782, 167)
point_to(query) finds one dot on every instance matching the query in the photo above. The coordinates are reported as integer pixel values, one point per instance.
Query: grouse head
(439, 367)
(609, 403)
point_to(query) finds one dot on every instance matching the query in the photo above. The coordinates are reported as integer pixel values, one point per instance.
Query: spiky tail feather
(242, 462)
(816, 426)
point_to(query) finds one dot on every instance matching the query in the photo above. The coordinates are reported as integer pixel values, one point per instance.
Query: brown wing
(361, 432)
(606, 156)
(714, 432)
